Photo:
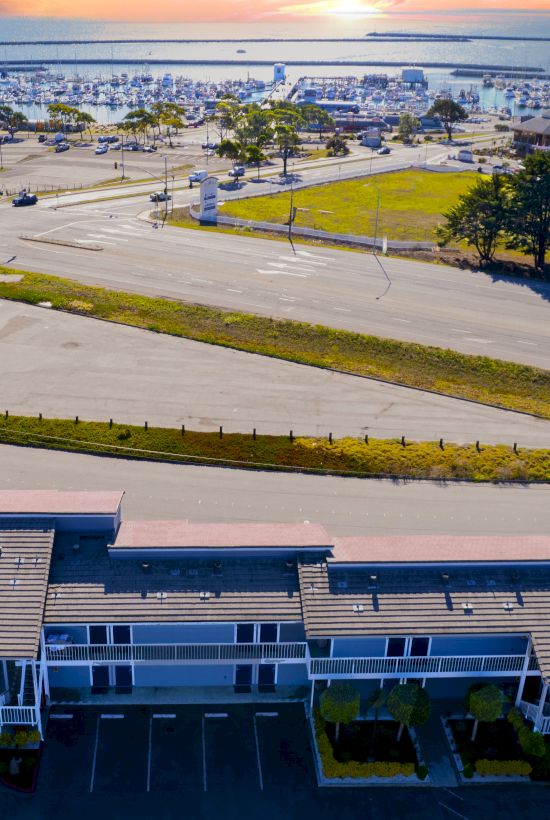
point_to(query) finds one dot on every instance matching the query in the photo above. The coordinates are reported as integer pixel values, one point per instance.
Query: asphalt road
(63, 366)
(413, 301)
(345, 506)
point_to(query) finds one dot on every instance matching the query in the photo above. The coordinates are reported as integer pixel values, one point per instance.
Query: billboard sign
(209, 199)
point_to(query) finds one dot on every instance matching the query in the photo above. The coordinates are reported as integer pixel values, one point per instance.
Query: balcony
(18, 716)
(421, 667)
(175, 653)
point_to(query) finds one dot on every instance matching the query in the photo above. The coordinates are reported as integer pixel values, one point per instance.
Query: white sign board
(209, 199)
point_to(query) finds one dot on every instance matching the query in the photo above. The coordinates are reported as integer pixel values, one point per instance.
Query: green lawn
(344, 456)
(411, 204)
(515, 386)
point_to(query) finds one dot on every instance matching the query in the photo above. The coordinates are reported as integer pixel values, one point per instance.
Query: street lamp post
(376, 220)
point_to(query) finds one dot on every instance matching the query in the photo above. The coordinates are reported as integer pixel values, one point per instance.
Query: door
(100, 680)
(243, 678)
(395, 648)
(121, 634)
(123, 680)
(420, 647)
(98, 634)
(266, 677)
(268, 633)
(245, 633)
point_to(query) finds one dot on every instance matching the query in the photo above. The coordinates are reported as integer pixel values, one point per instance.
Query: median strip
(362, 458)
(508, 385)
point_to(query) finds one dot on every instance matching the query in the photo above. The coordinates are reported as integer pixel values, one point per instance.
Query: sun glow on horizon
(334, 8)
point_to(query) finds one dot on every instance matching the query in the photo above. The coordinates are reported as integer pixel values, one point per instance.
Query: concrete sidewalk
(436, 752)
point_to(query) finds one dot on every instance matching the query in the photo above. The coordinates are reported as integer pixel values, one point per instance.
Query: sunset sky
(251, 10)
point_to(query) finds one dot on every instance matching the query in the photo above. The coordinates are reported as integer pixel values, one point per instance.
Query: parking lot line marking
(457, 813)
(160, 715)
(204, 756)
(149, 745)
(258, 758)
(267, 714)
(61, 717)
(92, 778)
(108, 716)
(215, 714)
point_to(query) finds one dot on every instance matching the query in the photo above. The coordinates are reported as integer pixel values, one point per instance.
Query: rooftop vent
(312, 588)
(358, 608)
(145, 566)
(76, 548)
(19, 560)
(162, 596)
(467, 607)
(289, 564)
(508, 606)
(13, 582)
(204, 596)
(0, 552)
(445, 577)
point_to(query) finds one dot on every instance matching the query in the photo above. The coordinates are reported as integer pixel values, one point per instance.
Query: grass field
(411, 204)
(344, 456)
(507, 384)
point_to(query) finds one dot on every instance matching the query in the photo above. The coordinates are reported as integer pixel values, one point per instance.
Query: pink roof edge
(57, 502)
(186, 534)
(403, 549)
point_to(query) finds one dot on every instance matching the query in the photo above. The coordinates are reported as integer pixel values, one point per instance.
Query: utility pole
(122, 156)
(165, 188)
(291, 216)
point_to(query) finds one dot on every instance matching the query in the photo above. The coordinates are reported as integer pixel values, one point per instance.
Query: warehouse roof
(58, 502)
(535, 125)
(422, 549)
(24, 567)
(191, 535)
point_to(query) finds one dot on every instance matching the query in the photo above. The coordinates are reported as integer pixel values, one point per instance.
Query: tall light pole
(376, 220)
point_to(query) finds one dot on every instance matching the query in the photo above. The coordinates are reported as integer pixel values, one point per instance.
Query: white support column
(540, 711)
(312, 696)
(524, 670)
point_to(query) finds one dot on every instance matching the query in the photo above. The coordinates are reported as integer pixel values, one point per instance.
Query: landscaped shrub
(503, 767)
(532, 743)
(24, 736)
(468, 771)
(516, 719)
(422, 772)
(352, 768)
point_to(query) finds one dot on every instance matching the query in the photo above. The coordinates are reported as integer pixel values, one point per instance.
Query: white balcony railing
(433, 666)
(18, 715)
(175, 653)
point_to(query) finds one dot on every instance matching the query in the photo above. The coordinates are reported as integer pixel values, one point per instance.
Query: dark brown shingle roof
(24, 567)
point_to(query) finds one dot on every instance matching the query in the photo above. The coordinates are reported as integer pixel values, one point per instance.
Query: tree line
(511, 211)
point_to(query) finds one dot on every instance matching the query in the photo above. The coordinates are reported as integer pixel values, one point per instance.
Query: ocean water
(519, 53)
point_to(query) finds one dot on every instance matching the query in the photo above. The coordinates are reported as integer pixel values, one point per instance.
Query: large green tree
(14, 120)
(408, 126)
(409, 705)
(255, 156)
(85, 120)
(449, 112)
(484, 703)
(316, 117)
(287, 140)
(478, 218)
(339, 704)
(233, 150)
(529, 214)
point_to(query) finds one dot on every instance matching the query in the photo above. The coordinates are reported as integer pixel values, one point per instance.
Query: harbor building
(533, 134)
(95, 609)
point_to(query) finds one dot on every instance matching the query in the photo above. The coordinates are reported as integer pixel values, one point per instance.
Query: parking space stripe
(61, 717)
(149, 746)
(92, 778)
(108, 716)
(267, 714)
(160, 715)
(258, 758)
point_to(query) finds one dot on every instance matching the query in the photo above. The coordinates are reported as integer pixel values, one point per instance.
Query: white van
(198, 176)
(465, 155)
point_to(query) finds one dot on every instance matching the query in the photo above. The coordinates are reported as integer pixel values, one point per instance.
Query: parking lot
(243, 748)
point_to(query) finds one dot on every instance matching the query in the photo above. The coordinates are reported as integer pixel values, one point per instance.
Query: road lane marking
(92, 778)
(258, 758)
(281, 273)
(343, 310)
(521, 342)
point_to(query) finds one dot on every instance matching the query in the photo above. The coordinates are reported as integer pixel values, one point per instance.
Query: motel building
(98, 610)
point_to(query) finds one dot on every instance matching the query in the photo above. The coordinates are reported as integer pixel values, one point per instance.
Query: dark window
(243, 678)
(419, 647)
(100, 680)
(266, 677)
(396, 648)
(245, 633)
(123, 679)
(121, 634)
(98, 634)
(268, 633)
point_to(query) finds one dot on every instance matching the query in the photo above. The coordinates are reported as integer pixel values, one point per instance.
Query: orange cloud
(249, 10)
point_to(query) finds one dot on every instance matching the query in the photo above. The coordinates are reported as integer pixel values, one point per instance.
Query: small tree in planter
(484, 703)
(376, 701)
(339, 704)
(409, 705)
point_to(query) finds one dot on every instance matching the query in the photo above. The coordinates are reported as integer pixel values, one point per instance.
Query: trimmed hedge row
(503, 767)
(333, 768)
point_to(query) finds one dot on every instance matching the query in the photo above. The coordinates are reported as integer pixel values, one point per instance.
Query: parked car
(132, 147)
(102, 149)
(24, 199)
(116, 146)
(237, 171)
(210, 146)
(42, 138)
(384, 150)
(61, 146)
(198, 176)
(149, 149)
(160, 196)
(502, 169)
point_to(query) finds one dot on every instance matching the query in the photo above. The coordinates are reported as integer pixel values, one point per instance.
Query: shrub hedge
(503, 767)
(332, 768)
